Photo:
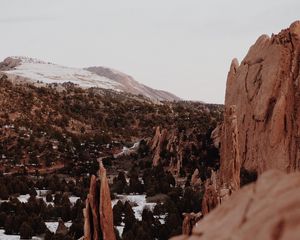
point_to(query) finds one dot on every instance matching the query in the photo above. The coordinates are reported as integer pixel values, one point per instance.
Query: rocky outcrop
(260, 132)
(216, 136)
(157, 144)
(252, 212)
(196, 180)
(170, 147)
(9, 64)
(210, 199)
(189, 222)
(98, 215)
(230, 153)
(165, 141)
(262, 112)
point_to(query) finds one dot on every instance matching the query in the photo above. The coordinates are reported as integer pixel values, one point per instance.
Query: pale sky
(182, 46)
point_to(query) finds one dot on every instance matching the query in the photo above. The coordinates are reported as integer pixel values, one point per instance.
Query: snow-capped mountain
(35, 70)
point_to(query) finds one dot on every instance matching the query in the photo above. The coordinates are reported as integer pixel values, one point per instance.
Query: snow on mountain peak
(38, 71)
(24, 59)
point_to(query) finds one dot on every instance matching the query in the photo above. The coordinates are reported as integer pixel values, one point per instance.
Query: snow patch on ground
(138, 201)
(23, 198)
(73, 199)
(120, 230)
(42, 194)
(52, 226)
(3, 236)
(52, 73)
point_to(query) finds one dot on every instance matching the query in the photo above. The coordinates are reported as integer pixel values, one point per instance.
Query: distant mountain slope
(35, 70)
(129, 84)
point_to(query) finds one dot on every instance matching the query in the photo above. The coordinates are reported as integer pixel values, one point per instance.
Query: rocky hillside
(64, 123)
(38, 71)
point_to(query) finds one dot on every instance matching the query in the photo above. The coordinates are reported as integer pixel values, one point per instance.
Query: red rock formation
(196, 180)
(216, 136)
(157, 143)
(261, 128)
(267, 209)
(210, 199)
(189, 221)
(106, 213)
(230, 170)
(98, 215)
(261, 131)
(172, 142)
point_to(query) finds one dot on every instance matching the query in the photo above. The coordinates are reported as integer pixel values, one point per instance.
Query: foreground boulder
(268, 209)
(261, 128)
(98, 214)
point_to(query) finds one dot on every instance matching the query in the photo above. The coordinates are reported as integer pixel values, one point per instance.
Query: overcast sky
(182, 46)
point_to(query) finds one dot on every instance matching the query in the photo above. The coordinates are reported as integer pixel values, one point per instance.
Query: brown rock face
(260, 132)
(98, 215)
(157, 144)
(189, 221)
(210, 199)
(169, 147)
(168, 141)
(253, 213)
(262, 112)
(196, 180)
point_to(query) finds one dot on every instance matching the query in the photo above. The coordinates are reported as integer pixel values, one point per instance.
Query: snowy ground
(52, 226)
(138, 203)
(37, 70)
(42, 194)
(3, 236)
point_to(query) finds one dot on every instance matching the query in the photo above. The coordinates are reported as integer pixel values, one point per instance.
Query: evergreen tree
(129, 218)
(26, 231)
(49, 197)
(3, 192)
(8, 226)
(117, 212)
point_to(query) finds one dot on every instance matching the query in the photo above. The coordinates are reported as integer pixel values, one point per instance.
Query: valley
(54, 135)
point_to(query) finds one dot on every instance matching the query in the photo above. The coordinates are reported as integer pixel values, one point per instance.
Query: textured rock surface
(98, 215)
(260, 132)
(171, 142)
(176, 149)
(157, 144)
(210, 199)
(253, 213)
(189, 222)
(196, 180)
(216, 136)
(262, 111)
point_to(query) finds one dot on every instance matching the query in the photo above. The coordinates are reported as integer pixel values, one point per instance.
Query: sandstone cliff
(262, 111)
(260, 132)
(253, 213)
(98, 215)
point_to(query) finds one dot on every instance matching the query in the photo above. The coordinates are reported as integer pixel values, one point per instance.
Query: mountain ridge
(37, 71)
